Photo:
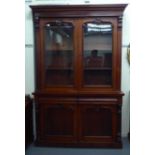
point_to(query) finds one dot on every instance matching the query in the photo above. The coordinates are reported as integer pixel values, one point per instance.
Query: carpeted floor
(33, 150)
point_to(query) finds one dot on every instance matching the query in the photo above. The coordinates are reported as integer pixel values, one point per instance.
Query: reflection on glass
(59, 54)
(97, 54)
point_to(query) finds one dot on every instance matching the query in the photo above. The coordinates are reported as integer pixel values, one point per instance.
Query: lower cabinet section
(82, 123)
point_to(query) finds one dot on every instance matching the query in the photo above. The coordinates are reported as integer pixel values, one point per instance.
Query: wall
(29, 53)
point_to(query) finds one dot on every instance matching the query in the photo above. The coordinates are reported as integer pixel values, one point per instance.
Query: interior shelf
(99, 69)
(58, 69)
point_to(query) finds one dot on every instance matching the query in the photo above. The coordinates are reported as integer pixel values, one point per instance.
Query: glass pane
(97, 54)
(59, 54)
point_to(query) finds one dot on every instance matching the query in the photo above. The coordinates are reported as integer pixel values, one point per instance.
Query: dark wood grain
(74, 113)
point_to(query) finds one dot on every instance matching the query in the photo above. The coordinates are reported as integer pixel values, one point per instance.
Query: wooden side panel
(28, 121)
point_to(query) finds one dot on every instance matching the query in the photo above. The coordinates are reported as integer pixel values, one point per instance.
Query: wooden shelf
(99, 69)
(58, 69)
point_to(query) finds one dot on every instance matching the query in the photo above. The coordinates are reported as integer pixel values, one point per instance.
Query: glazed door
(99, 48)
(58, 53)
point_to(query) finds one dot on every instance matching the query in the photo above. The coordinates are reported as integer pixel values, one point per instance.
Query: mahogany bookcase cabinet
(78, 74)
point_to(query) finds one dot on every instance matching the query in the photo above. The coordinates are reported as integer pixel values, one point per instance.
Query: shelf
(58, 69)
(98, 69)
(109, 51)
(58, 50)
(86, 69)
(87, 34)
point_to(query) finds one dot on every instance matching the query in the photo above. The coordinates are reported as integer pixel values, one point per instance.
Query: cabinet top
(101, 6)
(80, 10)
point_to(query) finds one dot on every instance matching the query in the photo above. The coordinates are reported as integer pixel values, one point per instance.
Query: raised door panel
(58, 122)
(97, 123)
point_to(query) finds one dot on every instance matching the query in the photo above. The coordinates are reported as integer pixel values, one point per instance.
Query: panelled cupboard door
(97, 123)
(58, 122)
